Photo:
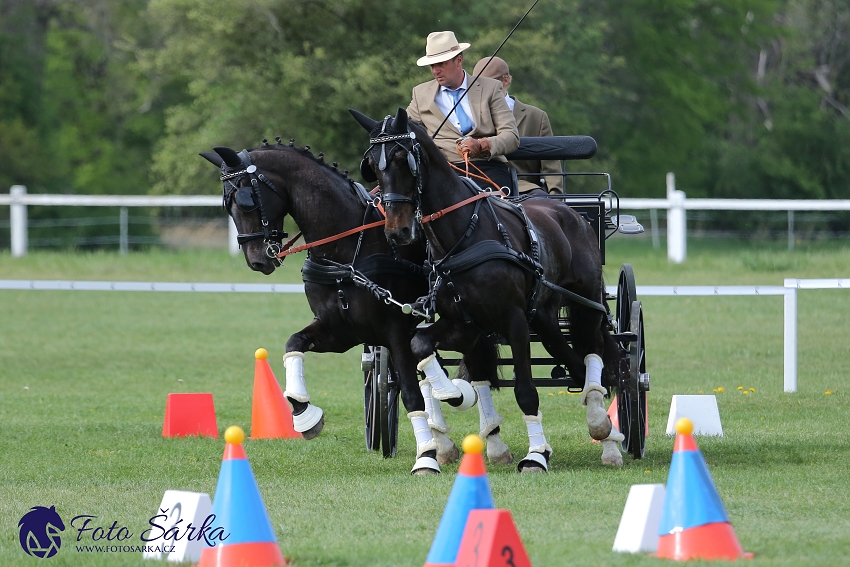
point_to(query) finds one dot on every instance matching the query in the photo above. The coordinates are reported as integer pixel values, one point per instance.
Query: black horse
(499, 267)
(347, 280)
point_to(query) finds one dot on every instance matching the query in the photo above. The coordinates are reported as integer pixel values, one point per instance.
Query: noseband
(408, 143)
(250, 199)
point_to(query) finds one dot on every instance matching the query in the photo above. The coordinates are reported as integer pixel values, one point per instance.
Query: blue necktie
(465, 122)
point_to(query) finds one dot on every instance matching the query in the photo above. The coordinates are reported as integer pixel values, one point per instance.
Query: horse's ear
(400, 120)
(212, 157)
(230, 157)
(363, 120)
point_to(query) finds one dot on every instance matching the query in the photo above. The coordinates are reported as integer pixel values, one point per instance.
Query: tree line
(741, 98)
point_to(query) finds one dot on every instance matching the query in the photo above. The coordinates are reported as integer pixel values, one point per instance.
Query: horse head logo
(39, 531)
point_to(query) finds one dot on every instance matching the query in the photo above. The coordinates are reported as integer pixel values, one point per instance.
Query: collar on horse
(250, 199)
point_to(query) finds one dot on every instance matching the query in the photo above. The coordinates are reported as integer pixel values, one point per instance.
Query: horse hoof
(612, 461)
(314, 431)
(505, 458)
(534, 463)
(531, 468)
(425, 472)
(598, 423)
(611, 455)
(450, 456)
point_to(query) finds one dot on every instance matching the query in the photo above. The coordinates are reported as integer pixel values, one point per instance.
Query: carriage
(602, 211)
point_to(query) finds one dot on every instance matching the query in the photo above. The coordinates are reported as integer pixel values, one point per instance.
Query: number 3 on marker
(508, 554)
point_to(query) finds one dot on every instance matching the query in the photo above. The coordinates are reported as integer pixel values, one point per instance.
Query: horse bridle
(249, 199)
(414, 162)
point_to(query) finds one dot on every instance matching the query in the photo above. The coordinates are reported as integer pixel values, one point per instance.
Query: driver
(482, 121)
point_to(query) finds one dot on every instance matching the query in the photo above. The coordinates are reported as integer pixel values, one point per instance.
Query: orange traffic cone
(241, 532)
(189, 414)
(694, 524)
(271, 416)
(490, 539)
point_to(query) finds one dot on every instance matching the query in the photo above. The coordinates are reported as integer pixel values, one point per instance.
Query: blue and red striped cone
(471, 491)
(694, 524)
(241, 514)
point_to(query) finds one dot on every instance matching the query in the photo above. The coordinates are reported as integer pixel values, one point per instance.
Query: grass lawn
(84, 378)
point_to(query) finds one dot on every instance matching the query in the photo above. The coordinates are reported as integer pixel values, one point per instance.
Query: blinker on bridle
(249, 199)
(414, 162)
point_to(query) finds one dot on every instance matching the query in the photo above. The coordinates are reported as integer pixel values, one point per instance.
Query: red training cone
(271, 416)
(241, 528)
(189, 414)
(491, 540)
(694, 524)
(470, 491)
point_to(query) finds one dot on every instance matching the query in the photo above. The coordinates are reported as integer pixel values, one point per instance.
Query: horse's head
(256, 204)
(396, 160)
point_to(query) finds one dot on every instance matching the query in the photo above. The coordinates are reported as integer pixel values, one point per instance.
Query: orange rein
(287, 250)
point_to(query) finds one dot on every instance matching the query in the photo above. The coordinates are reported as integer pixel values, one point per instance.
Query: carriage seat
(551, 148)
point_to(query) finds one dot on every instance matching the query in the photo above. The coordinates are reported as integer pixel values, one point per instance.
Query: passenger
(530, 121)
(483, 120)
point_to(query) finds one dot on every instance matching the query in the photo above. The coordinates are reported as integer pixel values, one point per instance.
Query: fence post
(123, 231)
(18, 221)
(653, 220)
(677, 239)
(232, 232)
(790, 230)
(790, 313)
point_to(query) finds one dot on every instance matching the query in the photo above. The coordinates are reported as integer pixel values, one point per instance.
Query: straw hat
(441, 46)
(496, 69)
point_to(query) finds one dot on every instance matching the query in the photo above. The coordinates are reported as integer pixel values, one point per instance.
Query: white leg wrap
(488, 418)
(538, 458)
(611, 448)
(432, 407)
(592, 377)
(307, 418)
(424, 439)
(293, 362)
(441, 387)
(536, 439)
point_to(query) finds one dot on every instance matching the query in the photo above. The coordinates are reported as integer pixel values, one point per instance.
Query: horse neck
(443, 189)
(321, 203)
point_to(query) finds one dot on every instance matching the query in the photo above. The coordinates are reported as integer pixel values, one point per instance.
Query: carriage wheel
(637, 387)
(371, 405)
(388, 390)
(626, 294)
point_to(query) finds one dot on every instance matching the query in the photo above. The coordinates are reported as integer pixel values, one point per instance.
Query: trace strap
(354, 230)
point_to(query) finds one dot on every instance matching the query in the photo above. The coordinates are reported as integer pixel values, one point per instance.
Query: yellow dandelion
(752, 390)
(720, 389)
(646, 471)
(700, 391)
(551, 394)
(560, 392)
(828, 393)
(746, 392)
(740, 387)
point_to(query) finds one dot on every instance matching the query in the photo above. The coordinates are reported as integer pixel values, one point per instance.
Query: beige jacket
(492, 116)
(531, 121)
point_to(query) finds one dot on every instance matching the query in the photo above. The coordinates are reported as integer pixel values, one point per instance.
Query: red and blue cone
(241, 514)
(470, 491)
(694, 524)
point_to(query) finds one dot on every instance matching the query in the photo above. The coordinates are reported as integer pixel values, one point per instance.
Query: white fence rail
(788, 291)
(676, 205)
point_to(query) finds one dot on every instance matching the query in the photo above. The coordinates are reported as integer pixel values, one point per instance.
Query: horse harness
(457, 262)
(249, 199)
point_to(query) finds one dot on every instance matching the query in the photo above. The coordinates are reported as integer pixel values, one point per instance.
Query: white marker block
(638, 531)
(177, 510)
(701, 410)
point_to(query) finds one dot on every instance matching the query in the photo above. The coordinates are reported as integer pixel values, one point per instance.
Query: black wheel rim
(637, 366)
(626, 294)
(388, 395)
(371, 406)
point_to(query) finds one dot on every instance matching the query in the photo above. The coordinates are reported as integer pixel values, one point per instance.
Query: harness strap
(441, 212)
(333, 238)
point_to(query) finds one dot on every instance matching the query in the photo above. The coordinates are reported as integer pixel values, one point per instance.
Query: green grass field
(84, 378)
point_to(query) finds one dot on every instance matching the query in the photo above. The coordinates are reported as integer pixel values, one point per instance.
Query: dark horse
(498, 268)
(346, 280)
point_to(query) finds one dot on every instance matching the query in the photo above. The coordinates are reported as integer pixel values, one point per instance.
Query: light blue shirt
(445, 102)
